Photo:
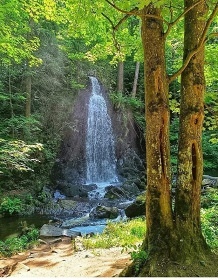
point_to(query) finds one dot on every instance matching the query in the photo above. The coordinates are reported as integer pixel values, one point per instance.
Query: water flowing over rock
(100, 153)
(110, 154)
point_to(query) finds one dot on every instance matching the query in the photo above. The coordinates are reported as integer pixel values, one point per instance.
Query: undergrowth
(209, 218)
(120, 234)
(15, 245)
(130, 234)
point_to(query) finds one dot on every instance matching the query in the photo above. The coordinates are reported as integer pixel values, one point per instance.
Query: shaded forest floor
(60, 259)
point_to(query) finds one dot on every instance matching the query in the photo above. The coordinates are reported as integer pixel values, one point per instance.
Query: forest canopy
(156, 58)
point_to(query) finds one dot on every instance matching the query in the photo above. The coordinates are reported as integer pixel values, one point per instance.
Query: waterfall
(100, 154)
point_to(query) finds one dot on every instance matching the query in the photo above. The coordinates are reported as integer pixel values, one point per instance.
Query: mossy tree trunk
(190, 159)
(158, 200)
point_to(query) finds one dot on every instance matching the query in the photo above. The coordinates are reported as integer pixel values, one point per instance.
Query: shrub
(15, 245)
(11, 206)
(209, 224)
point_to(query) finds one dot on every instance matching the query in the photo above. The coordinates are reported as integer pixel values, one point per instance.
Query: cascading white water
(100, 154)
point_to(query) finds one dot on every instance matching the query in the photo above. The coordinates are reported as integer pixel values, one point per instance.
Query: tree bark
(135, 82)
(28, 86)
(158, 200)
(190, 159)
(120, 76)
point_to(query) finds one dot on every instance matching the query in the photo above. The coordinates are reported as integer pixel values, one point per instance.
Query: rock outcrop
(69, 171)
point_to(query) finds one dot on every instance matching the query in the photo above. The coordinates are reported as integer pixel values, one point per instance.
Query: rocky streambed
(89, 214)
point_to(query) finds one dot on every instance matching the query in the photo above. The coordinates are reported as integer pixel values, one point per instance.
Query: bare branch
(171, 24)
(202, 41)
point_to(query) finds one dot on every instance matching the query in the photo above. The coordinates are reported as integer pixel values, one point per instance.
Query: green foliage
(18, 244)
(209, 217)
(210, 152)
(11, 206)
(118, 234)
(210, 148)
(21, 127)
(139, 257)
(124, 102)
(209, 199)
(17, 155)
(209, 224)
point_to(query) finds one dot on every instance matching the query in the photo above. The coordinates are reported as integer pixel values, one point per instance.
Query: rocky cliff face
(69, 172)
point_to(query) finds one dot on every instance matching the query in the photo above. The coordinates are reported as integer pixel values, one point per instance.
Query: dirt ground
(58, 258)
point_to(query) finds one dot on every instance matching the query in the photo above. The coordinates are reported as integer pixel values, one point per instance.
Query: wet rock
(130, 164)
(52, 231)
(140, 182)
(67, 204)
(137, 208)
(131, 188)
(104, 212)
(113, 192)
(90, 187)
(72, 190)
(75, 222)
(209, 181)
(57, 195)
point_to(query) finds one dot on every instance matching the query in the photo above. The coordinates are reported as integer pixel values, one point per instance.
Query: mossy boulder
(104, 212)
(113, 192)
(137, 208)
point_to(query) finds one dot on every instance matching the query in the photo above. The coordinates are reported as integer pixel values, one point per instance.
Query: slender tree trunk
(190, 159)
(135, 82)
(28, 85)
(120, 76)
(158, 200)
(11, 101)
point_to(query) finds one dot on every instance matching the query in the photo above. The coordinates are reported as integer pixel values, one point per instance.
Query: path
(61, 260)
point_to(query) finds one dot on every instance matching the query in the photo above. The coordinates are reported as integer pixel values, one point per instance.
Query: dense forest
(158, 62)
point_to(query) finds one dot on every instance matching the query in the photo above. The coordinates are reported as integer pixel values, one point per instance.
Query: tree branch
(213, 34)
(123, 19)
(132, 12)
(200, 45)
(116, 43)
(103, 14)
(156, 17)
(171, 24)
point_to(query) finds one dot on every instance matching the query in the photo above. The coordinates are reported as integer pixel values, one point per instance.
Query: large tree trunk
(190, 159)
(175, 245)
(158, 200)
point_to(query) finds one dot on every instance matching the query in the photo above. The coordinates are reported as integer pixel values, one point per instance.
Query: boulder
(209, 181)
(113, 192)
(137, 208)
(104, 212)
(72, 190)
(131, 188)
(67, 204)
(75, 222)
(53, 231)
